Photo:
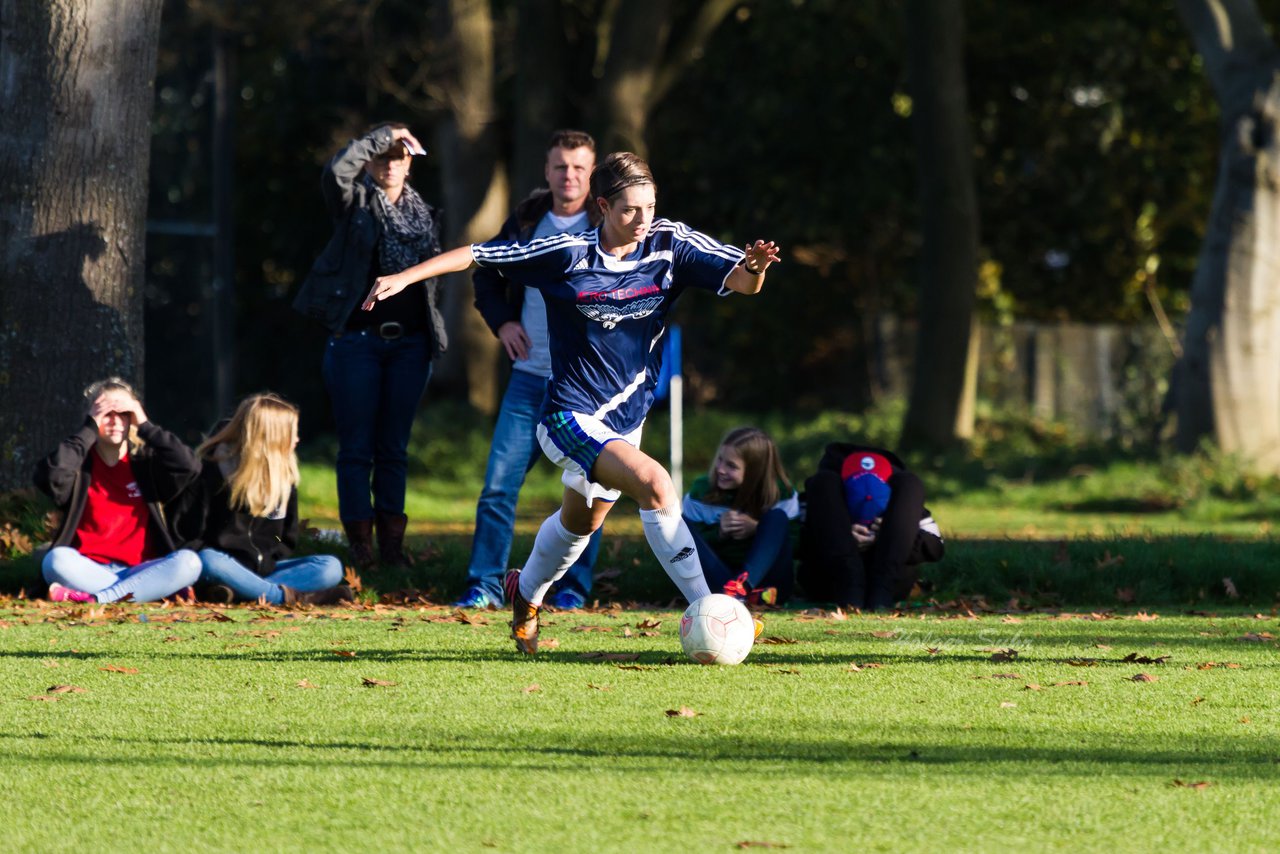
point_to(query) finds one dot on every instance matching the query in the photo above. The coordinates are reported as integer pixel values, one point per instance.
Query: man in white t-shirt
(517, 316)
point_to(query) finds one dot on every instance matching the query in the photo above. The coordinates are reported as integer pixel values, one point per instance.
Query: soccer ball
(717, 629)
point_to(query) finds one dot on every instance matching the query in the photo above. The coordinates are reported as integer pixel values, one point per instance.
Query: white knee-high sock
(555, 549)
(672, 544)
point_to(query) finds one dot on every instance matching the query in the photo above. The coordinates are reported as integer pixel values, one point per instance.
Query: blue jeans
(109, 582)
(375, 386)
(307, 574)
(513, 452)
(768, 561)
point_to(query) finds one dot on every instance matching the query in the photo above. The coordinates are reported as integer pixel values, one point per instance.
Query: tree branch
(689, 50)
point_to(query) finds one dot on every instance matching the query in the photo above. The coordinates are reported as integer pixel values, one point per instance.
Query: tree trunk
(542, 92)
(1228, 380)
(475, 193)
(938, 414)
(636, 35)
(74, 149)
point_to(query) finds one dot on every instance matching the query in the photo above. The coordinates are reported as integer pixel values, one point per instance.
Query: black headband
(622, 184)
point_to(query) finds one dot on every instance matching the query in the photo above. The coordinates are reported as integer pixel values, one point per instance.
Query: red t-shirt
(114, 525)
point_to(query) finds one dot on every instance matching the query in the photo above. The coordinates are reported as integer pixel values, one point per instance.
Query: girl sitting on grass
(741, 514)
(109, 479)
(249, 508)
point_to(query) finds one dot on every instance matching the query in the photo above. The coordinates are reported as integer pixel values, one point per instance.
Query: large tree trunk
(74, 146)
(475, 191)
(1228, 380)
(938, 413)
(542, 92)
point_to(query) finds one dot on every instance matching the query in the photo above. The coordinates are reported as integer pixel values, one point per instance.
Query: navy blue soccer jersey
(606, 316)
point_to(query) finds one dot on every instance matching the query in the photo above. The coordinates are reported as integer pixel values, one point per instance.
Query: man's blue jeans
(307, 574)
(513, 452)
(375, 386)
(147, 581)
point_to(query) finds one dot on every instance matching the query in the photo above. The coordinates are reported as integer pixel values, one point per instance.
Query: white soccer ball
(717, 629)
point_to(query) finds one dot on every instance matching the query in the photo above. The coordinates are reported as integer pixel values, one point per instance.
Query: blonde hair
(98, 388)
(259, 440)
(763, 477)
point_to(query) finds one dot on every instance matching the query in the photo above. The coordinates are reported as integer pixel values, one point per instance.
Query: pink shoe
(58, 593)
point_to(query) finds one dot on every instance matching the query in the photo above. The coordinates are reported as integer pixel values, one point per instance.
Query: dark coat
(163, 467)
(339, 279)
(207, 520)
(928, 546)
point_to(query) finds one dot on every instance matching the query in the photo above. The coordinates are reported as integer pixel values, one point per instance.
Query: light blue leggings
(110, 582)
(313, 572)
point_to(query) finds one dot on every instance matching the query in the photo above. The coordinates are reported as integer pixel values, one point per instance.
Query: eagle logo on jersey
(611, 315)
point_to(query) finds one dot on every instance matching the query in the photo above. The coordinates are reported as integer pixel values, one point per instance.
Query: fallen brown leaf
(1082, 662)
(884, 634)
(353, 580)
(1258, 637)
(1031, 687)
(1004, 655)
(682, 712)
(377, 683)
(1007, 705)
(1144, 617)
(1199, 784)
(1245, 719)
(115, 668)
(596, 687)
(933, 650)
(302, 683)
(757, 843)
(790, 671)
(648, 624)
(531, 689)
(1134, 658)
(1071, 682)
(858, 668)
(1143, 677)
(1008, 619)
(344, 653)
(608, 656)
(774, 639)
(591, 629)
(1197, 701)
(64, 689)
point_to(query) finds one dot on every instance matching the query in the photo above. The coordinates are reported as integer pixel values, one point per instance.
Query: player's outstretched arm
(748, 277)
(453, 261)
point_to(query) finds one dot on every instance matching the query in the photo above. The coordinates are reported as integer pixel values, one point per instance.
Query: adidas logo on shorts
(684, 553)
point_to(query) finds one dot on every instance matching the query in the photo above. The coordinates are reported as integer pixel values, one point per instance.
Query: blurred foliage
(1095, 153)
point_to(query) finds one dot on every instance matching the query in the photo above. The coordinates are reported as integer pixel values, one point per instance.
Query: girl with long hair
(249, 518)
(111, 479)
(741, 514)
(607, 292)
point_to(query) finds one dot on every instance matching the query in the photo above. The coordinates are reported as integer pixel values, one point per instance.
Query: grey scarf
(408, 229)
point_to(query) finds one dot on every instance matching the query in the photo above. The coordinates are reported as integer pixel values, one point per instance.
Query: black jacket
(163, 468)
(499, 299)
(928, 545)
(207, 520)
(339, 279)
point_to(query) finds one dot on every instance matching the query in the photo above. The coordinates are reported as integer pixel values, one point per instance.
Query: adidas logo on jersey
(581, 265)
(683, 554)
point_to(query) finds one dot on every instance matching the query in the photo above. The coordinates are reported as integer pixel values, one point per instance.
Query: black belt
(389, 331)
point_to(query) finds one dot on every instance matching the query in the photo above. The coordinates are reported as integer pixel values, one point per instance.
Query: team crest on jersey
(611, 315)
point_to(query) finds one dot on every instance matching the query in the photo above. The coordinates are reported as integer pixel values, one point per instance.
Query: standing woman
(110, 479)
(607, 294)
(249, 511)
(376, 363)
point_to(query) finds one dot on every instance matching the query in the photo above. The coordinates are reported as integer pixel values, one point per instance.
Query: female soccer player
(608, 292)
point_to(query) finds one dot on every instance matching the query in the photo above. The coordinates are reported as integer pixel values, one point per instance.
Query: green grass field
(185, 732)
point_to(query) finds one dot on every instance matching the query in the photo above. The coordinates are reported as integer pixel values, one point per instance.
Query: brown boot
(391, 539)
(360, 543)
(328, 596)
